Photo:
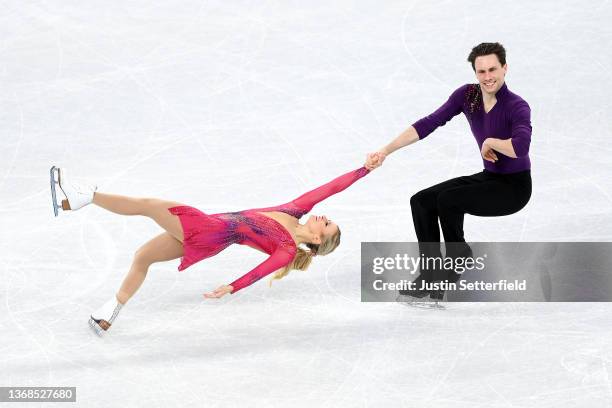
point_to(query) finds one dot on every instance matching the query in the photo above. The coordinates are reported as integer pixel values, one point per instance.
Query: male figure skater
(500, 121)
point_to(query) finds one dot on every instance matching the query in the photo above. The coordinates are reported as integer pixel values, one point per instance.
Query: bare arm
(451, 108)
(504, 146)
(407, 137)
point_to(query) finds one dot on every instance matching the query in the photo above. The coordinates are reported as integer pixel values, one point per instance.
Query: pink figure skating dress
(206, 235)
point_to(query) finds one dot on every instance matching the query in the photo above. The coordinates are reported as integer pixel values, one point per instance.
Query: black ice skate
(421, 298)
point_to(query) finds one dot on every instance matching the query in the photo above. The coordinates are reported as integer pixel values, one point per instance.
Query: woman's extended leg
(153, 208)
(163, 247)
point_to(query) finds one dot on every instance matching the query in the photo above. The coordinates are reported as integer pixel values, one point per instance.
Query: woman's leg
(163, 247)
(153, 208)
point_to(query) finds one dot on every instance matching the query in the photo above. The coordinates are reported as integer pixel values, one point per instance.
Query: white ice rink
(234, 105)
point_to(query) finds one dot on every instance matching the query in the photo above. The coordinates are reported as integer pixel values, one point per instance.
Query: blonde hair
(303, 257)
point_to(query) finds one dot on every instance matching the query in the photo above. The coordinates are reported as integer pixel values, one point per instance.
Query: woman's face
(321, 226)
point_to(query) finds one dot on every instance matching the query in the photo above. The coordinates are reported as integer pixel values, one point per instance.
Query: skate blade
(425, 305)
(419, 303)
(55, 175)
(54, 170)
(96, 327)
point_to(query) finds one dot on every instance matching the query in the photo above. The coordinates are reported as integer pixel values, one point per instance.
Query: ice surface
(233, 105)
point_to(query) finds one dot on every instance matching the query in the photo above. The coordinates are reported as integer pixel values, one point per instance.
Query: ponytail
(303, 257)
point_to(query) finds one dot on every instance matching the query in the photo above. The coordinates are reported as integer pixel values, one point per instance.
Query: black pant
(484, 194)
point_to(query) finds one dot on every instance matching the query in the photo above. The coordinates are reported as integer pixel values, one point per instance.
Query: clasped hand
(374, 160)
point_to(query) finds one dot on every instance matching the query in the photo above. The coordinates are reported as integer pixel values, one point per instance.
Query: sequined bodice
(251, 227)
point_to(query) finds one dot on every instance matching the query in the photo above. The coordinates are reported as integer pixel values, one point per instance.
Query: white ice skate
(77, 196)
(102, 319)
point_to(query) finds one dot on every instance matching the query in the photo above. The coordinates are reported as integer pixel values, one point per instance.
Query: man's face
(490, 73)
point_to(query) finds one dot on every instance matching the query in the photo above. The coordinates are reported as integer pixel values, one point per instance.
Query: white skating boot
(77, 196)
(102, 319)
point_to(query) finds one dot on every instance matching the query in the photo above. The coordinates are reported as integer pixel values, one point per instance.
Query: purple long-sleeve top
(510, 118)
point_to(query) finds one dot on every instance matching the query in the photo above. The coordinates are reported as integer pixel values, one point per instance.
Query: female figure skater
(194, 235)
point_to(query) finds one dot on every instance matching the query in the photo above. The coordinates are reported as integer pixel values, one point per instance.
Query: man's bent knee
(422, 199)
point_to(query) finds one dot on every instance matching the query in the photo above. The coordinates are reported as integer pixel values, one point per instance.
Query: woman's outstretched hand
(220, 291)
(374, 160)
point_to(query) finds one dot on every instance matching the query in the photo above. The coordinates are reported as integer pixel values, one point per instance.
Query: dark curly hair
(488, 49)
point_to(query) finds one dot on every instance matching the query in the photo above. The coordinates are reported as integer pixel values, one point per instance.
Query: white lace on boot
(77, 196)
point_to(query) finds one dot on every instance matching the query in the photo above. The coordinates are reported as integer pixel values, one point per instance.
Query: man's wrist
(491, 141)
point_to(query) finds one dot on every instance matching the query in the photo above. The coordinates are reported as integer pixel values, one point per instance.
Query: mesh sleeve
(306, 201)
(279, 258)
